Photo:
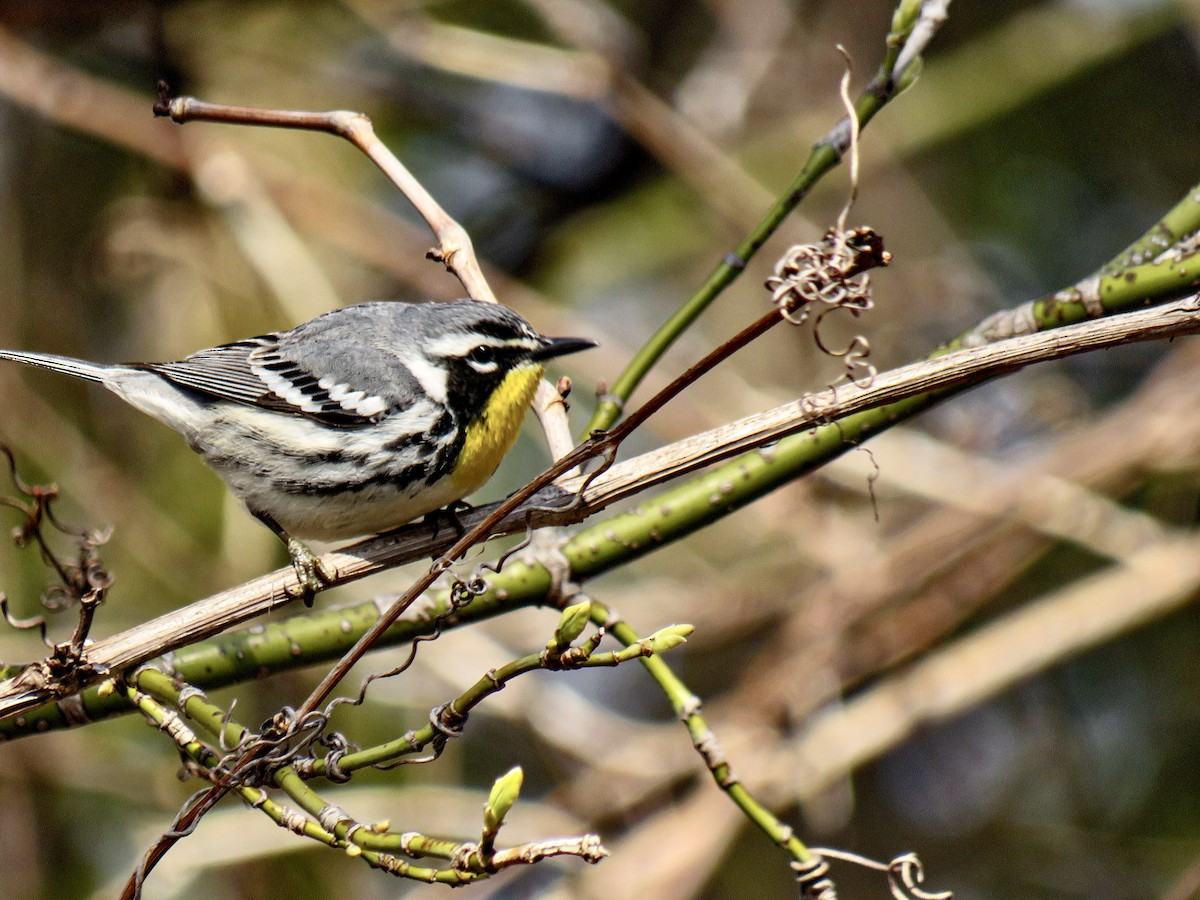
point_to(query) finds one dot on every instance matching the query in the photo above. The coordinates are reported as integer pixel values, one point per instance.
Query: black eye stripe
(505, 331)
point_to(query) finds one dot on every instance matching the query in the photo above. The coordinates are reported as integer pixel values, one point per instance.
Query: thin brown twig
(454, 249)
(184, 824)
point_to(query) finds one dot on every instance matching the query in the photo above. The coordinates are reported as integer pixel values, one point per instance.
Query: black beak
(553, 347)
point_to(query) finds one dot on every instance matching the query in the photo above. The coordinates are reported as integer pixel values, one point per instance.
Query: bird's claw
(311, 574)
(449, 515)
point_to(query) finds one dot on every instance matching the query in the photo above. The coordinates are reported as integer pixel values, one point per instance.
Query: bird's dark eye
(482, 354)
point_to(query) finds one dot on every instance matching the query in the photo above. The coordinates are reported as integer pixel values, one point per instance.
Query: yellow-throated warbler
(357, 421)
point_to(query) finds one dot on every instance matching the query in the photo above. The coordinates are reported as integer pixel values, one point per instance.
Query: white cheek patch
(431, 377)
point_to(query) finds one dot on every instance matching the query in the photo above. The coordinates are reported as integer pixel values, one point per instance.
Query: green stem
(824, 155)
(155, 694)
(1182, 220)
(687, 707)
(455, 713)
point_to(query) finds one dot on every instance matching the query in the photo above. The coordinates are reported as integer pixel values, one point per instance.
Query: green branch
(686, 706)
(825, 155)
(157, 696)
(616, 540)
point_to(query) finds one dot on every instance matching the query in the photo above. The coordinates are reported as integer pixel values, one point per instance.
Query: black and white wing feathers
(222, 372)
(338, 382)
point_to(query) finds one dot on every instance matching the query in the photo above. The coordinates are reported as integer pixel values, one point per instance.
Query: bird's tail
(65, 364)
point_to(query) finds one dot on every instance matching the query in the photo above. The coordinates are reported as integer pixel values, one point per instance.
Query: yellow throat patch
(491, 435)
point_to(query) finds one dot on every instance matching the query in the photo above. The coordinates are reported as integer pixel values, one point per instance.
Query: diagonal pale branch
(951, 371)
(561, 504)
(968, 671)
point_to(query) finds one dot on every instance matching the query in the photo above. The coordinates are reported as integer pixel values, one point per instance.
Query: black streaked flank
(398, 480)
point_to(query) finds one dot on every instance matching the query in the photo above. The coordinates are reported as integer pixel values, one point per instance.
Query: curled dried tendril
(282, 740)
(813, 280)
(84, 578)
(81, 574)
(905, 875)
(813, 878)
(831, 272)
(496, 567)
(81, 577)
(463, 592)
(24, 624)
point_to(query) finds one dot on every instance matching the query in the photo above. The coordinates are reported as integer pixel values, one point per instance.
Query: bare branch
(454, 244)
(575, 498)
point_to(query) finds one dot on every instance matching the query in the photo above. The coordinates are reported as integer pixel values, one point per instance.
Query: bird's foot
(449, 515)
(313, 576)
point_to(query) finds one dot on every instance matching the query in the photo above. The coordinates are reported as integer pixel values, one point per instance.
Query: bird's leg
(449, 514)
(309, 572)
(312, 575)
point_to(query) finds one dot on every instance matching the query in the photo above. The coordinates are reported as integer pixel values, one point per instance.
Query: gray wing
(338, 382)
(223, 372)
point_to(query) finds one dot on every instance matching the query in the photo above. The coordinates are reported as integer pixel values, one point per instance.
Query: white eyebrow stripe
(461, 344)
